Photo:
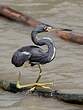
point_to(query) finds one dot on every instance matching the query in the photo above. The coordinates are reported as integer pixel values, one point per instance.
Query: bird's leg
(20, 86)
(39, 73)
(18, 81)
(41, 85)
(31, 86)
(40, 68)
(35, 85)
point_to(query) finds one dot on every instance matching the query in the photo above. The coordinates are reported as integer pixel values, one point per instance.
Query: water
(66, 71)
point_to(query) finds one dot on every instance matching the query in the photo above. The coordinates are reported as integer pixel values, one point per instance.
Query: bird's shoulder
(31, 49)
(27, 48)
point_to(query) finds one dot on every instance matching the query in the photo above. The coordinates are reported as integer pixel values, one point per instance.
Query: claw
(32, 89)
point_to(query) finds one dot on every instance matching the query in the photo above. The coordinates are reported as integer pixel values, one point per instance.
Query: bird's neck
(50, 54)
(34, 37)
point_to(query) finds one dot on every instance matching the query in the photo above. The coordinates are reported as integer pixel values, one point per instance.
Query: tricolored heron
(34, 54)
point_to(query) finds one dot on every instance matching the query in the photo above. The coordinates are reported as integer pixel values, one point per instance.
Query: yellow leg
(35, 85)
(40, 68)
(39, 73)
(32, 86)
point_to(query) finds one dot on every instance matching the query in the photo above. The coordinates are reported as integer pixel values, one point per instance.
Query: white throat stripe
(48, 38)
(53, 53)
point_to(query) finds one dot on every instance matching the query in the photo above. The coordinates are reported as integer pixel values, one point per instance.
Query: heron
(35, 55)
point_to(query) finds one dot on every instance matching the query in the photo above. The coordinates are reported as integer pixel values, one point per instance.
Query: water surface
(66, 71)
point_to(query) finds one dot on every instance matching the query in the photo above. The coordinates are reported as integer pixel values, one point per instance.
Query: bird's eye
(47, 29)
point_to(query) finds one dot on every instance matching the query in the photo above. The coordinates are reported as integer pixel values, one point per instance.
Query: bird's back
(34, 50)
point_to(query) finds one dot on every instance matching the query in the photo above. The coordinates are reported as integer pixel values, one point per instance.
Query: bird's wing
(19, 58)
(26, 55)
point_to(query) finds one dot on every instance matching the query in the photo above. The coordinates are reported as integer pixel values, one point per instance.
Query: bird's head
(43, 28)
(48, 28)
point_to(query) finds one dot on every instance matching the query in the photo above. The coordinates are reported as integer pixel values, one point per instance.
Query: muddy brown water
(66, 71)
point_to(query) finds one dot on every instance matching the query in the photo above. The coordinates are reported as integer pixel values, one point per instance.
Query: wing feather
(19, 58)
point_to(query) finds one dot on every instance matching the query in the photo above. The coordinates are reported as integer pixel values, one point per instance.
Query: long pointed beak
(49, 29)
(56, 29)
(52, 30)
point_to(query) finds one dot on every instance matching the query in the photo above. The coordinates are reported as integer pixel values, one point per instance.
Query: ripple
(66, 70)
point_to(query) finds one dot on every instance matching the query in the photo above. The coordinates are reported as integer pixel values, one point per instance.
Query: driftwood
(73, 98)
(14, 15)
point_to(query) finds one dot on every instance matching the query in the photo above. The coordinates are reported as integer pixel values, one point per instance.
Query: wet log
(9, 86)
(14, 15)
(70, 36)
(74, 98)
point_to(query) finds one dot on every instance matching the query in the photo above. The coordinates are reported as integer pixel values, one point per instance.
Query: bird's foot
(42, 86)
(34, 86)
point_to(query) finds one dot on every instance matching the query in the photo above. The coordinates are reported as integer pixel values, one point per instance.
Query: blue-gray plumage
(34, 54)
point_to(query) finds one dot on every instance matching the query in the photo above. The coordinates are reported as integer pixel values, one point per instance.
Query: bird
(34, 54)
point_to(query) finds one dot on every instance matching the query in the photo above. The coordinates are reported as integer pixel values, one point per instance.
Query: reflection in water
(66, 70)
